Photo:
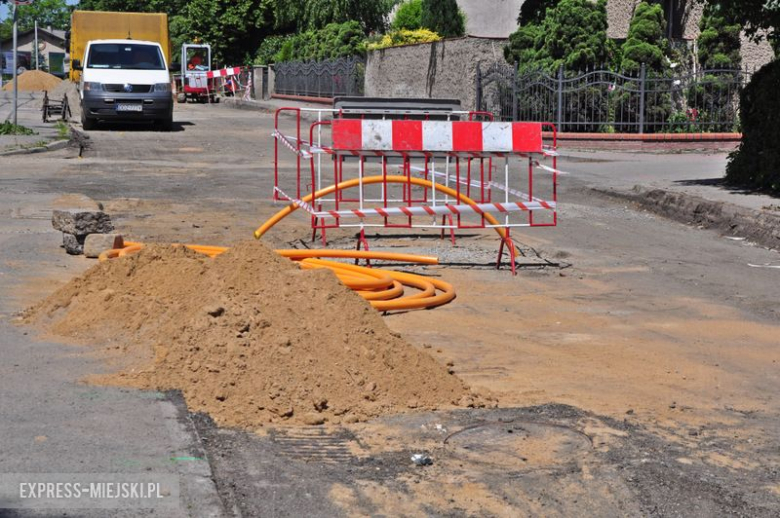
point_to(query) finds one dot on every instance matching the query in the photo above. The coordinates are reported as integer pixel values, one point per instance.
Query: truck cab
(124, 80)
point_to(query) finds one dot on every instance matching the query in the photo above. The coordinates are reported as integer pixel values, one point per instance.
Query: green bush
(408, 16)
(404, 37)
(334, 41)
(443, 17)
(269, 48)
(756, 163)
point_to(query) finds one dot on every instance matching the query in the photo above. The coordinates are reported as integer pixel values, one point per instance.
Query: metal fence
(602, 101)
(331, 78)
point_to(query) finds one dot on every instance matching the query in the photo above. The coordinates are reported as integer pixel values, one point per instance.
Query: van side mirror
(75, 64)
(174, 67)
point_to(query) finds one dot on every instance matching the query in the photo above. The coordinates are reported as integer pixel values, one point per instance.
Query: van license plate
(129, 108)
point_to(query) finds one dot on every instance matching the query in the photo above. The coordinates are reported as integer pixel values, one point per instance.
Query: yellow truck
(87, 26)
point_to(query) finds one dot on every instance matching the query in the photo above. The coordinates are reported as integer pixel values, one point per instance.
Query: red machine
(195, 83)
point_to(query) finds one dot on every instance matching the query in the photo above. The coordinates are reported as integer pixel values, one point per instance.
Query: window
(125, 56)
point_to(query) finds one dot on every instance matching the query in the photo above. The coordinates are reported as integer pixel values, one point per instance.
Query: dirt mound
(248, 337)
(34, 81)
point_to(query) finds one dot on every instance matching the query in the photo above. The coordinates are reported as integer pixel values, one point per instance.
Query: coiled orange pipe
(383, 289)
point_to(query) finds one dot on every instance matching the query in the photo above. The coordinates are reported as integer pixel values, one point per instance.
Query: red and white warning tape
(438, 210)
(300, 203)
(289, 142)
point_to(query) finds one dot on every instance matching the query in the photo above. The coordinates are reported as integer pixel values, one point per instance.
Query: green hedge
(756, 163)
(334, 41)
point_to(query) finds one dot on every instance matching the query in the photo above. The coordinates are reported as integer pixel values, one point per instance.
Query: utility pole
(16, 67)
(37, 50)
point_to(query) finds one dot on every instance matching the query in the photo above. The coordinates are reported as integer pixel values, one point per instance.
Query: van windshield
(125, 56)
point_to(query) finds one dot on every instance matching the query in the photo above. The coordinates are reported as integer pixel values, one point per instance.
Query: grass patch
(9, 128)
(63, 130)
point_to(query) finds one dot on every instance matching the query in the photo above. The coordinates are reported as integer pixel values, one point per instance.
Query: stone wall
(685, 15)
(491, 18)
(442, 70)
(756, 55)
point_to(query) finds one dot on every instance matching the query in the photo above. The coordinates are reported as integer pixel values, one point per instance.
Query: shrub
(404, 37)
(757, 161)
(408, 16)
(269, 48)
(443, 17)
(334, 41)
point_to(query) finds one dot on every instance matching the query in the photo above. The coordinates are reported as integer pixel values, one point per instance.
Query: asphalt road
(210, 181)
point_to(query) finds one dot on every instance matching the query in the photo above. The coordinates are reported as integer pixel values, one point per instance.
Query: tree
(756, 16)
(443, 17)
(756, 163)
(646, 43)
(534, 11)
(719, 41)
(572, 35)
(234, 28)
(719, 56)
(170, 7)
(408, 16)
(316, 14)
(54, 13)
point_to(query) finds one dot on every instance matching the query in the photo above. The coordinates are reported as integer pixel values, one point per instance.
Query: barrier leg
(507, 240)
(361, 240)
(452, 230)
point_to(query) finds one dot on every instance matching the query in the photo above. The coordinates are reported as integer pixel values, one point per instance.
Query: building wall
(491, 18)
(442, 70)
(27, 44)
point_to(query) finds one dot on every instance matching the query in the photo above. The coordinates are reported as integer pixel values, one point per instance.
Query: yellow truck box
(103, 25)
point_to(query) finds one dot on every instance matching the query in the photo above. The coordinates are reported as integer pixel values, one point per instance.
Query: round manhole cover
(518, 445)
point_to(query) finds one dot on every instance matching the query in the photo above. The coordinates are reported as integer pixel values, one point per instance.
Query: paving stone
(74, 245)
(80, 222)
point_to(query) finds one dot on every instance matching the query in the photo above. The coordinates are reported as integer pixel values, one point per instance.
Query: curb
(52, 146)
(261, 106)
(759, 226)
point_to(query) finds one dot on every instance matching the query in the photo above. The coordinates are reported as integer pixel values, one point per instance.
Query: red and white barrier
(225, 72)
(436, 136)
(491, 163)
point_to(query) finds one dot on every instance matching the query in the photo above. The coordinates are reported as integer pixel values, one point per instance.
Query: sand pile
(34, 81)
(248, 337)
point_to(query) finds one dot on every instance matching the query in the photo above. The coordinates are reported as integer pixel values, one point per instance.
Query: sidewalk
(687, 187)
(28, 115)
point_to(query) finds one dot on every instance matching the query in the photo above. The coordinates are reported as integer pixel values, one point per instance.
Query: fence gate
(603, 101)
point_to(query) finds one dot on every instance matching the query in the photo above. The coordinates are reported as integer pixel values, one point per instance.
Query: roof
(126, 41)
(55, 34)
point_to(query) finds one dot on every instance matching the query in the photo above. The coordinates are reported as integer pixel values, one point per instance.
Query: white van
(124, 80)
